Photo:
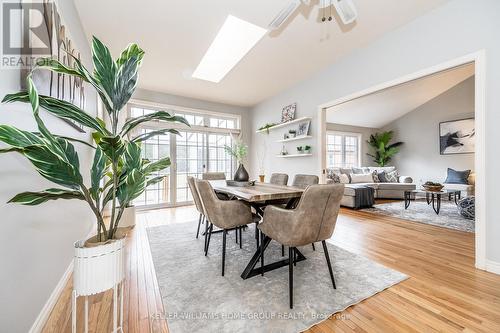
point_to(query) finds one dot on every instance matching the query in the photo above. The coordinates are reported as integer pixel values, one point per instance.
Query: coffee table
(432, 197)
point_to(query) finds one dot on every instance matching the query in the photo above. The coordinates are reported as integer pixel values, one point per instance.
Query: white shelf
(288, 123)
(296, 138)
(293, 155)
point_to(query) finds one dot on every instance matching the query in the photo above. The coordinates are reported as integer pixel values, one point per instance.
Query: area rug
(197, 298)
(420, 211)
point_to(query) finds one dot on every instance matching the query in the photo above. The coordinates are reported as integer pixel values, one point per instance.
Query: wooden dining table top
(258, 192)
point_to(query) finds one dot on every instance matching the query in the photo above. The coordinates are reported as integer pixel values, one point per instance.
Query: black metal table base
(251, 271)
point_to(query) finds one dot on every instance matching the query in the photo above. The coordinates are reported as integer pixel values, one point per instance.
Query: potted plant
(300, 149)
(307, 149)
(239, 151)
(293, 133)
(383, 150)
(266, 127)
(118, 173)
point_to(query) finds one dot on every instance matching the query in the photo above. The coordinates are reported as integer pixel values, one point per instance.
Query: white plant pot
(98, 268)
(128, 217)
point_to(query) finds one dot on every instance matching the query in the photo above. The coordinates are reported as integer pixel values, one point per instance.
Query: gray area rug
(197, 298)
(419, 211)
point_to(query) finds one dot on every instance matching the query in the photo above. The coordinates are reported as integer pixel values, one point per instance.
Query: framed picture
(303, 128)
(288, 113)
(457, 137)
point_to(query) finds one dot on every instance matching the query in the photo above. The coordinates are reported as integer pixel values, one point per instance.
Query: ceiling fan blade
(346, 10)
(284, 14)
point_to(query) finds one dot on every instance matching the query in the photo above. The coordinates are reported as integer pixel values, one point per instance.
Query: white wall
(457, 28)
(365, 136)
(419, 157)
(36, 242)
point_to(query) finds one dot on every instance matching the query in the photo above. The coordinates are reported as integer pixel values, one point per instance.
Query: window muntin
(343, 150)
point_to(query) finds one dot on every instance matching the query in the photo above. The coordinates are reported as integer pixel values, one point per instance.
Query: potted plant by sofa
(383, 149)
(239, 151)
(118, 174)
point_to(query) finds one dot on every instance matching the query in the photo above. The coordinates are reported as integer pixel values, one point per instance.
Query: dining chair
(304, 181)
(279, 179)
(197, 202)
(213, 176)
(313, 220)
(224, 214)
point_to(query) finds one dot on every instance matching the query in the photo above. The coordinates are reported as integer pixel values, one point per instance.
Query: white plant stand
(97, 269)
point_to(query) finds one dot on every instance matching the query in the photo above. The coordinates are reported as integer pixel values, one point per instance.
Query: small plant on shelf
(267, 127)
(307, 149)
(300, 149)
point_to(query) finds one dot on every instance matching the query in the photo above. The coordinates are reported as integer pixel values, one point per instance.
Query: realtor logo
(25, 32)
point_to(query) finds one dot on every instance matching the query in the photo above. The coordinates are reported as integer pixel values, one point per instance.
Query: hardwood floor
(444, 293)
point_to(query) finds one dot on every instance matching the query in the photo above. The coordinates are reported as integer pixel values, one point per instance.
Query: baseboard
(493, 266)
(51, 302)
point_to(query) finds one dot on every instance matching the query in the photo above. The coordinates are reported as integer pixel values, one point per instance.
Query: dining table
(258, 196)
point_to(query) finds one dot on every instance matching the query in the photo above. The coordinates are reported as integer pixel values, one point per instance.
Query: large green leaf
(125, 83)
(132, 51)
(159, 115)
(112, 146)
(69, 152)
(56, 66)
(97, 172)
(18, 138)
(61, 109)
(157, 166)
(154, 180)
(36, 198)
(132, 157)
(146, 136)
(104, 66)
(134, 185)
(52, 167)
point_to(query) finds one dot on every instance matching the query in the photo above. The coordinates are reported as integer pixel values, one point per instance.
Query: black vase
(241, 174)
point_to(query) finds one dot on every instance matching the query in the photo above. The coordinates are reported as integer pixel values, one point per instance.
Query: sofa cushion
(361, 178)
(360, 171)
(392, 176)
(457, 177)
(382, 169)
(395, 186)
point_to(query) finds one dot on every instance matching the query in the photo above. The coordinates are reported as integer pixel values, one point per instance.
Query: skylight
(232, 43)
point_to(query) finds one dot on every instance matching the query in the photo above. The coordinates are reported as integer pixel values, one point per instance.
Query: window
(343, 150)
(196, 150)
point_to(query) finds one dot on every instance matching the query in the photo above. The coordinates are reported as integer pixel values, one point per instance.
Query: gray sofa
(394, 190)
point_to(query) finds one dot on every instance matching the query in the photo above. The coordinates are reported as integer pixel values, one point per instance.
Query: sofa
(382, 190)
(466, 190)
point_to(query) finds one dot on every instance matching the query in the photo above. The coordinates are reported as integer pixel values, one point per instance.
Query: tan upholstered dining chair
(313, 220)
(197, 202)
(224, 214)
(213, 176)
(279, 179)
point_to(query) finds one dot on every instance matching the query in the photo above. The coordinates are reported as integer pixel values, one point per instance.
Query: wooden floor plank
(444, 293)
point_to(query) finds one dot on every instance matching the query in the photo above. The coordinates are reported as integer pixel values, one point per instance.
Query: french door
(191, 154)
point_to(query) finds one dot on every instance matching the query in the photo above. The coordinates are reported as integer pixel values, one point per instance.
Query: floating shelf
(296, 138)
(293, 155)
(288, 123)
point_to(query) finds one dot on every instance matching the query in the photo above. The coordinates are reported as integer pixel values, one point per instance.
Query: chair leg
(241, 244)
(224, 234)
(206, 235)
(236, 235)
(257, 238)
(262, 253)
(294, 257)
(208, 240)
(282, 250)
(314, 247)
(290, 274)
(199, 223)
(325, 249)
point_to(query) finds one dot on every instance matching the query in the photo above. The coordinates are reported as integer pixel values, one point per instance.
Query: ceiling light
(232, 43)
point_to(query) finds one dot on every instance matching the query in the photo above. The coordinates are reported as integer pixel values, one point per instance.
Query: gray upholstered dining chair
(313, 220)
(279, 179)
(213, 176)
(197, 202)
(224, 214)
(304, 181)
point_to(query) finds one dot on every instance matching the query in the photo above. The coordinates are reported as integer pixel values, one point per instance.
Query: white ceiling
(381, 108)
(176, 35)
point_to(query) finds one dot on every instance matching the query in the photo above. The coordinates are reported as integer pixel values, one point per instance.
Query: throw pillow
(360, 171)
(335, 177)
(457, 177)
(392, 177)
(344, 179)
(381, 177)
(363, 178)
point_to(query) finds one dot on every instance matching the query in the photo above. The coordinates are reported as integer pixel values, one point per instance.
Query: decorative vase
(261, 178)
(241, 174)
(128, 217)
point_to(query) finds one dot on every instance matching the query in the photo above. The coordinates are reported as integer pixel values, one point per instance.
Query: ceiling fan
(345, 8)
